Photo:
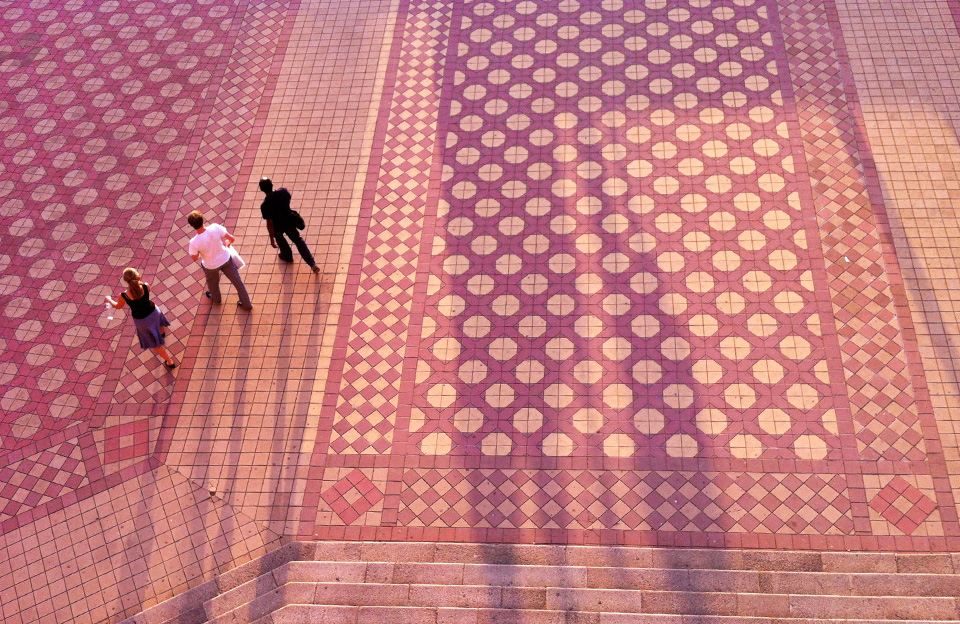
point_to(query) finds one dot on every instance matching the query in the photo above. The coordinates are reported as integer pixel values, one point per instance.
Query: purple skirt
(148, 329)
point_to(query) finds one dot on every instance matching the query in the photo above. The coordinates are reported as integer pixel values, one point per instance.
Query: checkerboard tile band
(875, 365)
(368, 396)
(210, 187)
(43, 476)
(626, 500)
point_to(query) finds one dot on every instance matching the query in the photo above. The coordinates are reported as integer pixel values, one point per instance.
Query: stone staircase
(399, 583)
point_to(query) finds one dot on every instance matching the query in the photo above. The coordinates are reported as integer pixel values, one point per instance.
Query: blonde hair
(132, 278)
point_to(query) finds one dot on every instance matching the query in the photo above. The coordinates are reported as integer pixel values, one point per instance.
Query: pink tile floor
(593, 271)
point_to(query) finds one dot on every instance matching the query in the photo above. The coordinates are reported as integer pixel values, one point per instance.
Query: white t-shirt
(209, 244)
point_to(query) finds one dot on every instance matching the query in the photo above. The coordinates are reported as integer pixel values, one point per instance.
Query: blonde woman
(147, 317)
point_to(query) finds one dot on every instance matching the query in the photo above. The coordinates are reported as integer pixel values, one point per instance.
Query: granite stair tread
(362, 583)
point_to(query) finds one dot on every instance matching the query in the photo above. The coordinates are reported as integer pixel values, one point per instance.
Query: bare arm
(195, 256)
(273, 242)
(116, 303)
(227, 240)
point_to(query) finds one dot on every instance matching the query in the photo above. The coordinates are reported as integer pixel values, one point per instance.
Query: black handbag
(297, 220)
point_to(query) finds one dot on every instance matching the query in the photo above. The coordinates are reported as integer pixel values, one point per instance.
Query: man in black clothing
(276, 211)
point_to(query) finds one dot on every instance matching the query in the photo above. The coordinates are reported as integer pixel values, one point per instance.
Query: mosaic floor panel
(646, 244)
(660, 272)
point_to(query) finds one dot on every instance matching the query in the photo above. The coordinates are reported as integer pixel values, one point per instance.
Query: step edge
(907, 576)
(548, 587)
(720, 559)
(227, 595)
(276, 586)
(231, 615)
(679, 617)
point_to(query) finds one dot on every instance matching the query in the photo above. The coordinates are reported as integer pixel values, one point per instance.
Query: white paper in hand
(236, 257)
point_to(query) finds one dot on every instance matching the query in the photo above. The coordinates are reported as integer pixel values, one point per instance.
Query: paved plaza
(615, 272)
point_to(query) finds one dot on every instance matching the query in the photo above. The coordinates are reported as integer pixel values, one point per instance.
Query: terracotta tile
(604, 296)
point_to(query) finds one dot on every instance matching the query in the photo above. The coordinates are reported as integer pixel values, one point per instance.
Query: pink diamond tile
(352, 496)
(127, 441)
(903, 505)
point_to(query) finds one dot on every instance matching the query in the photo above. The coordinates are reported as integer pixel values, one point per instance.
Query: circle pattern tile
(622, 265)
(103, 101)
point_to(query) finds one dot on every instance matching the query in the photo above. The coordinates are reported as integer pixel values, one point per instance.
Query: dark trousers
(285, 252)
(233, 274)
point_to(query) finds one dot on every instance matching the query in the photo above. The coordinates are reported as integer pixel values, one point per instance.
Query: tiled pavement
(594, 271)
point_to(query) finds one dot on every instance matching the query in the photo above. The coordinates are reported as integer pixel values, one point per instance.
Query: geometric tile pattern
(46, 475)
(103, 113)
(650, 244)
(875, 364)
(126, 441)
(209, 187)
(622, 273)
(389, 243)
(97, 117)
(137, 157)
(626, 500)
(101, 530)
(352, 496)
(571, 250)
(902, 505)
(622, 258)
(103, 118)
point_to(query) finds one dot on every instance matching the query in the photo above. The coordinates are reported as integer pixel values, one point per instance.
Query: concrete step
(244, 594)
(517, 579)
(591, 600)
(634, 557)
(338, 614)
(826, 583)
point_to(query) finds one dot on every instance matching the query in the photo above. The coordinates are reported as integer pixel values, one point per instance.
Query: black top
(276, 207)
(141, 307)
